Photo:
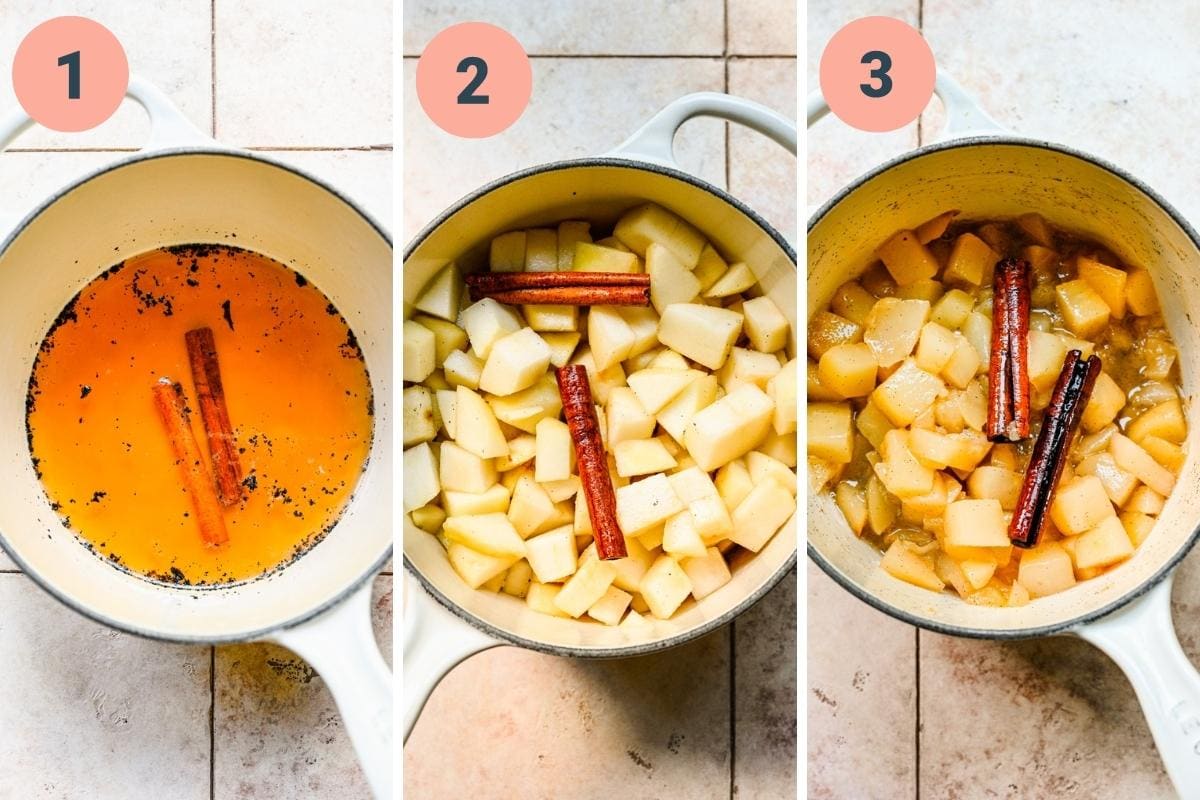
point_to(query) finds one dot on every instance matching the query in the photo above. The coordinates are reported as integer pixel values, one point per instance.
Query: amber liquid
(296, 387)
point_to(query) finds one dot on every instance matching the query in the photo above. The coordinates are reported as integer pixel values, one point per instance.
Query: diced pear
(540, 598)
(475, 425)
(963, 365)
(569, 234)
(1145, 500)
(646, 503)
(419, 423)
(1083, 310)
(652, 538)
(1118, 484)
(1169, 454)
(680, 538)
(677, 414)
(531, 507)
(1046, 569)
(935, 347)
(763, 467)
(447, 336)
(1139, 293)
(710, 267)
(702, 333)
(738, 278)
(961, 451)
(971, 261)
(665, 586)
(1106, 402)
(976, 523)
(1137, 526)
(597, 258)
(732, 426)
(831, 432)
(651, 223)
(420, 353)
(541, 250)
(706, 573)
(442, 296)
(933, 229)
(428, 518)
(602, 381)
(900, 471)
(666, 358)
(765, 324)
(853, 302)
(996, 483)
(1046, 353)
(463, 369)
(761, 514)
(490, 534)
(614, 243)
(466, 504)
(826, 330)
(515, 362)
(657, 386)
(1080, 505)
(583, 589)
(901, 562)
(525, 408)
(978, 573)
(521, 450)
(562, 345)
(906, 258)
(1108, 282)
(464, 471)
(852, 500)
(421, 483)
(555, 451)
(952, 310)
(507, 252)
(881, 507)
(782, 388)
(733, 483)
(813, 386)
(978, 331)
(477, 568)
(894, 327)
(551, 318)
(644, 324)
(1132, 458)
(486, 322)
(1164, 421)
(671, 281)
(627, 418)
(1105, 544)
(907, 393)
(849, 369)
(552, 554)
(610, 607)
(749, 366)
(711, 519)
(517, 579)
(641, 457)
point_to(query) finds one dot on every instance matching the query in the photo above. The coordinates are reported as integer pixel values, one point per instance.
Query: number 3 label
(877, 74)
(497, 85)
(70, 74)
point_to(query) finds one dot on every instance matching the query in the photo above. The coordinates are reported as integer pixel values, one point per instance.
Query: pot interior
(148, 202)
(996, 179)
(598, 191)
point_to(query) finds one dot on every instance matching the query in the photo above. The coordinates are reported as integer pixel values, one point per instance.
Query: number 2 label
(467, 96)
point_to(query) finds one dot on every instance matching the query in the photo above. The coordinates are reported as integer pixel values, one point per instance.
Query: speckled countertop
(715, 718)
(89, 713)
(897, 713)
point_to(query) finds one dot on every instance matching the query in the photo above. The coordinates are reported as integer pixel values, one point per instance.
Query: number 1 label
(71, 62)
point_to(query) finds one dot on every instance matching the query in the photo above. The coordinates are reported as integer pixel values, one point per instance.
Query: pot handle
(964, 116)
(168, 128)
(655, 140)
(435, 642)
(1141, 638)
(340, 645)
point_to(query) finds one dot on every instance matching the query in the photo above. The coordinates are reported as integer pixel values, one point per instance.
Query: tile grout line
(212, 722)
(660, 56)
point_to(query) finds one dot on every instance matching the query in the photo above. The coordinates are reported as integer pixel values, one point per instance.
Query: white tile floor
(1051, 718)
(106, 716)
(598, 730)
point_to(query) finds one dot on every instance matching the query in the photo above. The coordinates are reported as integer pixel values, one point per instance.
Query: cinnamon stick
(222, 450)
(1008, 368)
(580, 414)
(506, 281)
(570, 296)
(1061, 421)
(172, 409)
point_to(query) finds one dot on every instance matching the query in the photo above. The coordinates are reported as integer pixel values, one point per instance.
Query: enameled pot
(986, 172)
(185, 188)
(445, 621)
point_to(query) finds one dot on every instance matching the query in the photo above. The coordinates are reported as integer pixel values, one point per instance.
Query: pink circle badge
(70, 73)
(877, 73)
(474, 80)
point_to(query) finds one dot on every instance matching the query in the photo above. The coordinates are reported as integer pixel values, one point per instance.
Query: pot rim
(87, 611)
(1168, 565)
(708, 626)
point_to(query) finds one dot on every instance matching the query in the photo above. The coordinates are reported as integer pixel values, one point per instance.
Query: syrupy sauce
(296, 386)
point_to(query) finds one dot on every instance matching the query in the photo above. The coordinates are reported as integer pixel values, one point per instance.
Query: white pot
(185, 188)
(460, 621)
(987, 173)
